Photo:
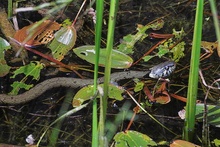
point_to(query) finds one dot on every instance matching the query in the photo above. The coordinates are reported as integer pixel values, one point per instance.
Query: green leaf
(179, 34)
(213, 113)
(133, 139)
(63, 41)
(157, 25)
(4, 68)
(216, 142)
(178, 51)
(87, 93)
(138, 86)
(66, 22)
(33, 69)
(18, 85)
(119, 60)
(147, 58)
(162, 52)
(129, 40)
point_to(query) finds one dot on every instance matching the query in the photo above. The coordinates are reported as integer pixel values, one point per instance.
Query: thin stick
(78, 13)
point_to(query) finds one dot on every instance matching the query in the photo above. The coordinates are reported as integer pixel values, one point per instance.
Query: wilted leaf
(4, 68)
(209, 45)
(37, 33)
(162, 98)
(87, 93)
(133, 139)
(63, 41)
(161, 95)
(183, 143)
(119, 60)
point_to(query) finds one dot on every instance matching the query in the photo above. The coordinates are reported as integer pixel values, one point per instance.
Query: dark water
(18, 122)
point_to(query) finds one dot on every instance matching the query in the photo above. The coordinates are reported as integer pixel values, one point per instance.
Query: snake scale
(160, 70)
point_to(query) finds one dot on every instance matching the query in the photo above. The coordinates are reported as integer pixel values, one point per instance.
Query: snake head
(162, 70)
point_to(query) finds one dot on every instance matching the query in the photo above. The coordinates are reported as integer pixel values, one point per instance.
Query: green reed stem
(98, 31)
(189, 124)
(10, 8)
(109, 47)
(216, 22)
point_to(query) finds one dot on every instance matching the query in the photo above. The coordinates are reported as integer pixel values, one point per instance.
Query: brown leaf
(42, 34)
(183, 143)
(162, 98)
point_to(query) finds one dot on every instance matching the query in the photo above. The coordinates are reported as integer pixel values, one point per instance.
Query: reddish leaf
(37, 33)
(161, 95)
(162, 98)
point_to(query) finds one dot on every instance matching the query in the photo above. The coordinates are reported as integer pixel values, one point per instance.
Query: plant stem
(98, 31)
(189, 124)
(216, 23)
(78, 13)
(10, 8)
(109, 47)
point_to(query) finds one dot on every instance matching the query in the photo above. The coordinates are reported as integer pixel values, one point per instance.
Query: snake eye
(162, 70)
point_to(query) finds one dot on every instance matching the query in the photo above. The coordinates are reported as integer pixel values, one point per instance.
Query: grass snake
(160, 70)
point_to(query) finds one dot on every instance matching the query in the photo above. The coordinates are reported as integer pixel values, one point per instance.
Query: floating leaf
(119, 59)
(4, 68)
(64, 41)
(133, 139)
(87, 93)
(183, 143)
(37, 33)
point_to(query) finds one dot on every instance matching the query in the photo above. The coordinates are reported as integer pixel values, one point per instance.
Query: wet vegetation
(146, 33)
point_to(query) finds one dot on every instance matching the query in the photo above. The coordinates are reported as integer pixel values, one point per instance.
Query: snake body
(76, 83)
(64, 82)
